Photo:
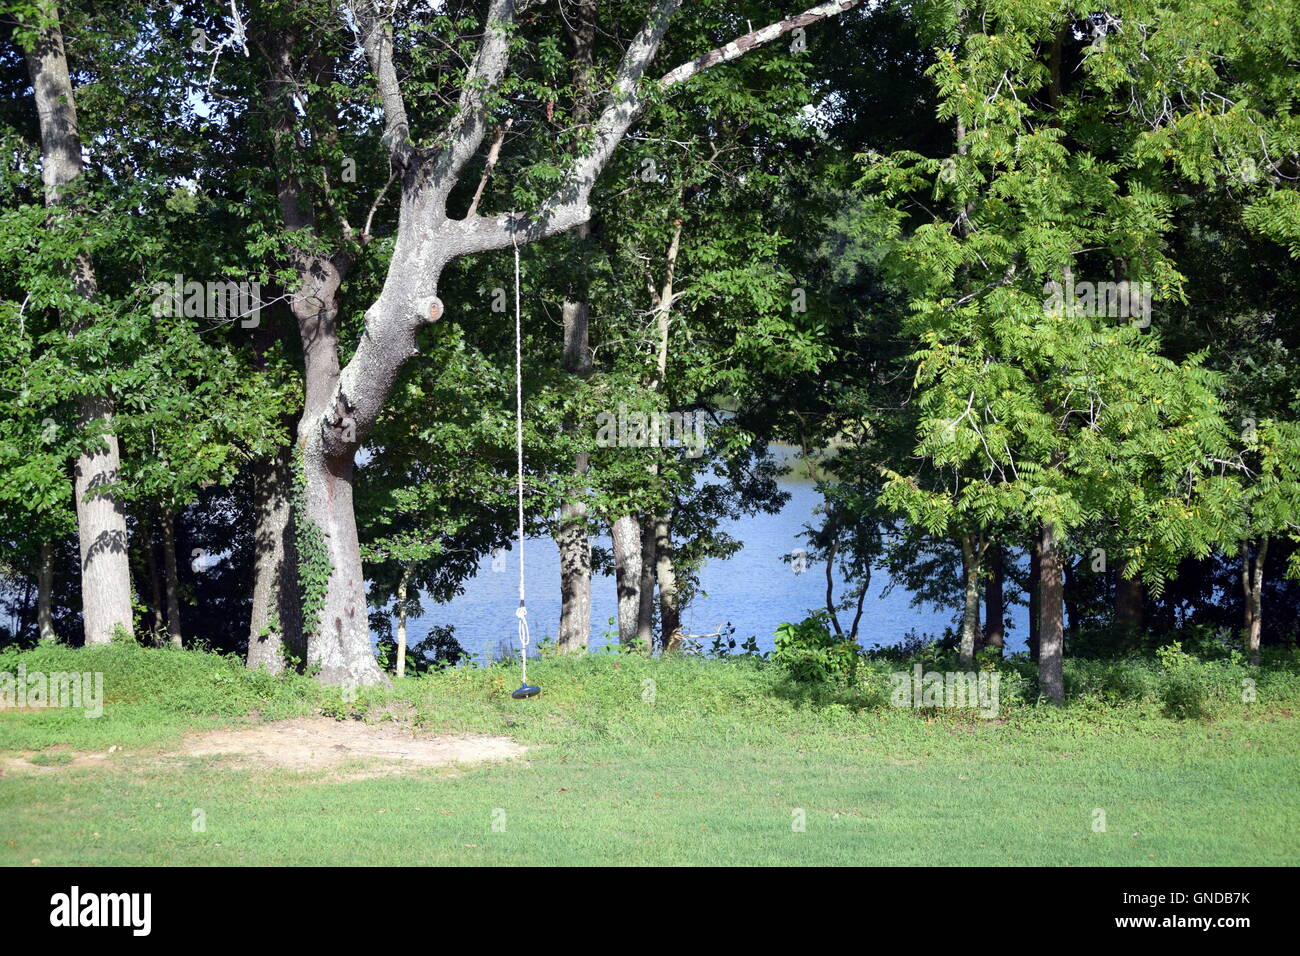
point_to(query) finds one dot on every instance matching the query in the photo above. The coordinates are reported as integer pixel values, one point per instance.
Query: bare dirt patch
(53, 760)
(321, 743)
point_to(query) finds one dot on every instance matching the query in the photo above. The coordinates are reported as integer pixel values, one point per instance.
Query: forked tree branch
(567, 207)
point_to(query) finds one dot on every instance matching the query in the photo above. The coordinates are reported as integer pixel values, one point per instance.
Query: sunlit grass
(645, 761)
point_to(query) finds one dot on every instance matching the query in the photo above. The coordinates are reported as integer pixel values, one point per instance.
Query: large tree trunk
(574, 543)
(275, 625)
(336, 415)
(670, 611)
(45, 592)
(172, 580)
(574, 634)
(994, 603)
(970, 619)
(101, 519)
(626, 536)
(339, 637)
(1051, 631)
(1252, 584)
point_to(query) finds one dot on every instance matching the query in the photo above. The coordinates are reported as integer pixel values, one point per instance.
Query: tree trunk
(1071, 594)
(646, 605)
(574, 634)
(275, 625)
(970, 619)
(1035, 604)
(670, 612)
(994, 605)
(339, 637)
(45, 592)
(1129, 600)
(1051, 632)
(401, 620)
(171, 579)
(574, 543)
(101, 519)
(1252, 583)
(626, 536)
(155, 582)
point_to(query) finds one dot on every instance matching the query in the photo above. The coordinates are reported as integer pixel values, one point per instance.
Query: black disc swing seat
(525, 690)
(521, 613)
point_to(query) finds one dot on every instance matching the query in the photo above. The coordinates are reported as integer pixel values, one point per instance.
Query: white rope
(522, 611)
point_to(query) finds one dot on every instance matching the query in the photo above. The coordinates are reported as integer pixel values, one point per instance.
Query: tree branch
(567, 207)
(754, 39)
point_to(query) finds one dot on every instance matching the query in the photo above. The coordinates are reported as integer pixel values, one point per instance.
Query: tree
(101, 519)
(344, 400)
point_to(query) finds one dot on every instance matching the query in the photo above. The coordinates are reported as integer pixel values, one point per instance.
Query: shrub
(1186, 692)
(810, 653)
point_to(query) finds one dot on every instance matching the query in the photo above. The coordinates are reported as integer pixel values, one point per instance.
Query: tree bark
(101, 519)
(970, 620)
(626, 536)
(171, 579)
(1252, 583)
(994, 603)
(1035, 604)
(45, 592)
(574, 543)
(332, 426)
(401, 620)
(275, 625)
(1051, 633)
(645, 636)
(155, 583)
(670, 612)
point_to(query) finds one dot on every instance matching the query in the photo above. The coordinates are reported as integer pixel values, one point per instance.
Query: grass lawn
(714, 763)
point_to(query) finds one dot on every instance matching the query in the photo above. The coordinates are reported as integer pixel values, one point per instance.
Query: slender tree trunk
(1129, 601)
(645, 606)
(831, 551)
(574, 543)
(1035, 604)
(155, 582)
(1051, 632)
(45, 592)
(626, 536)
(101, 519)
(401, 620)
(275, 624)
(172, 579)
(670, 612)
(970, 619)
(1252, 583)
(1071, 594)
(994, 609)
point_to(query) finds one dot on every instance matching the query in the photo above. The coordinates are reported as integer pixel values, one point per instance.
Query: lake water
(755, 590)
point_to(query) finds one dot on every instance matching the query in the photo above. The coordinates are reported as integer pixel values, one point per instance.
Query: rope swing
(525, 689)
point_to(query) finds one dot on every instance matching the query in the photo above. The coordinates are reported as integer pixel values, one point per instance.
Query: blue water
(754, 591)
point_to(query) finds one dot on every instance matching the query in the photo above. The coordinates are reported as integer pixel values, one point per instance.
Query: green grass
(709, 772)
